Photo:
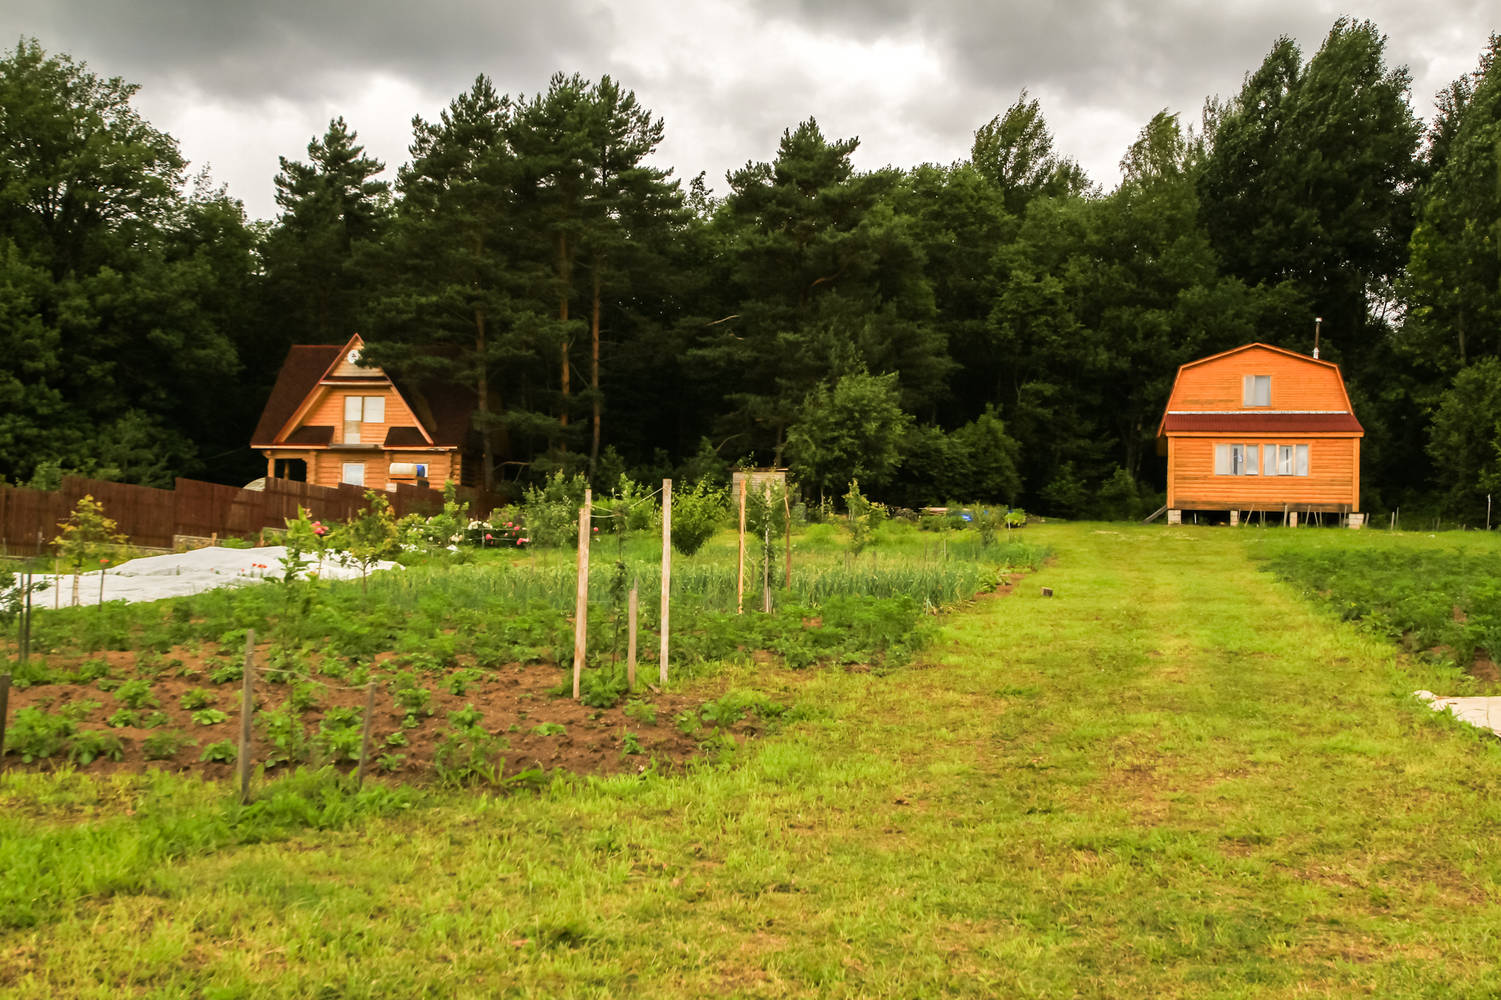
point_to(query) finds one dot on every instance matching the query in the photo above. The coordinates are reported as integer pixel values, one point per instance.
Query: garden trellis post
(581, 602)
(666, 575)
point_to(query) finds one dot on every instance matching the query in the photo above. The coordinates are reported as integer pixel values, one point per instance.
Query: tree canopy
(999, 328)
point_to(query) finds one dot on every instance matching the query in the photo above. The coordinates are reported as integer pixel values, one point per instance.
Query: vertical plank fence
(158, 518)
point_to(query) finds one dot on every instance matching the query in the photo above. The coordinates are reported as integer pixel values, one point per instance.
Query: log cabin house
(1261, 428)
(329, 421)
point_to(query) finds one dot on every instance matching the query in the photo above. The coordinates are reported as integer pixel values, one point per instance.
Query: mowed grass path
(1171, 779)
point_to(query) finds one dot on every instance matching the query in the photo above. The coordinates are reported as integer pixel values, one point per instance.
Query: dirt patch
(528, 708)
(1484, 668)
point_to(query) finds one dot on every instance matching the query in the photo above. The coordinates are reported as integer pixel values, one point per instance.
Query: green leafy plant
(35, 734)
(136, 694)
(153, 719)
(221, 752)
(92, 744)
(209, 717)
(412, 697)
(226, 673)
(860, 518)
(550, 729)
(196, 698)
(124, 717)
(368, 537)
(397, 739)
(79, 710)
(551, 511)
(468, 755)
(390, 762)
(165, 745)
(630, 744)
(641, 711)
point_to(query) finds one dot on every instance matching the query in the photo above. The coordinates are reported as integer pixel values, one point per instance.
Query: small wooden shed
(1260, 428)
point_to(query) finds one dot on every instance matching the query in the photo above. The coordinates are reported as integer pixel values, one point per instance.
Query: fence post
(666, 574)
(247, 707)
(581, 603)
(359, 779)
(630, 643)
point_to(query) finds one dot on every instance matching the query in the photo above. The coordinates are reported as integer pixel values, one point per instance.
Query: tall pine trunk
(594, 368)
(565, 274)
(482, 404)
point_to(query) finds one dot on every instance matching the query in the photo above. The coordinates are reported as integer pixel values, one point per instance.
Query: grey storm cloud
(912, 79)
(252, 51)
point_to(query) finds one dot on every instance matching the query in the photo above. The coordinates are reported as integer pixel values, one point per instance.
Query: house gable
(1302, 394)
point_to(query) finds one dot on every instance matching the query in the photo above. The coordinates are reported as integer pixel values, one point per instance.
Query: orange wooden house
(1261, 428)
(330, 421)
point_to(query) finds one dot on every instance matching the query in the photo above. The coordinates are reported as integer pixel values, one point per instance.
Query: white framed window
(1237, 460)
(353, 474)
(1256, 390)
(361, 410)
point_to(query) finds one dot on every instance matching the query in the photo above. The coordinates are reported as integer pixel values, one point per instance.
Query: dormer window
(1257, 390)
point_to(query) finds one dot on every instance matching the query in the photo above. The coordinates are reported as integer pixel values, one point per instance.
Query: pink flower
(319, 529)
(489, 537)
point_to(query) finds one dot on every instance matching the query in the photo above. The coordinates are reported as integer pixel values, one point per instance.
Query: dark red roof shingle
(1252, 422)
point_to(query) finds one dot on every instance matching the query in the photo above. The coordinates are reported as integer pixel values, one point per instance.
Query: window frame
(1256, 391)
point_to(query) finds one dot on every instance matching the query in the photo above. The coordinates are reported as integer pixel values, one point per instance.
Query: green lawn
(1173, 778)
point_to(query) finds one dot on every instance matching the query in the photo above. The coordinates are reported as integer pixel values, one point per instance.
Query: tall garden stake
(359, 777)
(581, 603)
(666, 574)
(247, 707)
(630, 642)
(740, 571)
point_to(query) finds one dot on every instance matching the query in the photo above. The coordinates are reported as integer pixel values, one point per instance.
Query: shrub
(696, 514)
(136, 694)
(551, 511)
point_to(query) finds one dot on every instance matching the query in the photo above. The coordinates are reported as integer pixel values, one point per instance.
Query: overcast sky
(239, 82)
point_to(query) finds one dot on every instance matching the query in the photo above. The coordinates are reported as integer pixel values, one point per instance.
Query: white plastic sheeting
(155, 577)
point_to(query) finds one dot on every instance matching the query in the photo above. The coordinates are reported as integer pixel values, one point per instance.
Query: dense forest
(999, 328)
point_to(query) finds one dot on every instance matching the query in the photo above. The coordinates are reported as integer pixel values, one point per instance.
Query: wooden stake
(766, 569)
(787, 509)
(581, 602)
(740, 569)
(359, 777)
(247, 708)
(666, 575)
(630, 642)
(4, 709)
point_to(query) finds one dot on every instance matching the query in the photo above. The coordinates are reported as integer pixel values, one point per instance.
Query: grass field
(1175, 778)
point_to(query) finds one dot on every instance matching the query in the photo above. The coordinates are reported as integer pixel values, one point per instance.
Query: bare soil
(513, 701)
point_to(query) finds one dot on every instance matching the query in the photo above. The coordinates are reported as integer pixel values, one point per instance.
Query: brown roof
(442, 408)
(1261, 423)
(299, 375)
(311, 435)
(404, 437)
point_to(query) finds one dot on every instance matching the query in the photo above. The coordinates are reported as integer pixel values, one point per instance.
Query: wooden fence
(152, 517)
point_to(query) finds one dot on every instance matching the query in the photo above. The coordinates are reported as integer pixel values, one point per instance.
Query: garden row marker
(4, 709)
(581, 603)
(359, 780)
(666, 574)
(630, 642)
(740, 571)
(247, 707)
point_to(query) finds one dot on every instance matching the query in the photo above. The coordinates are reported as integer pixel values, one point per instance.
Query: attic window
(1256, 390)
(359, 410)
